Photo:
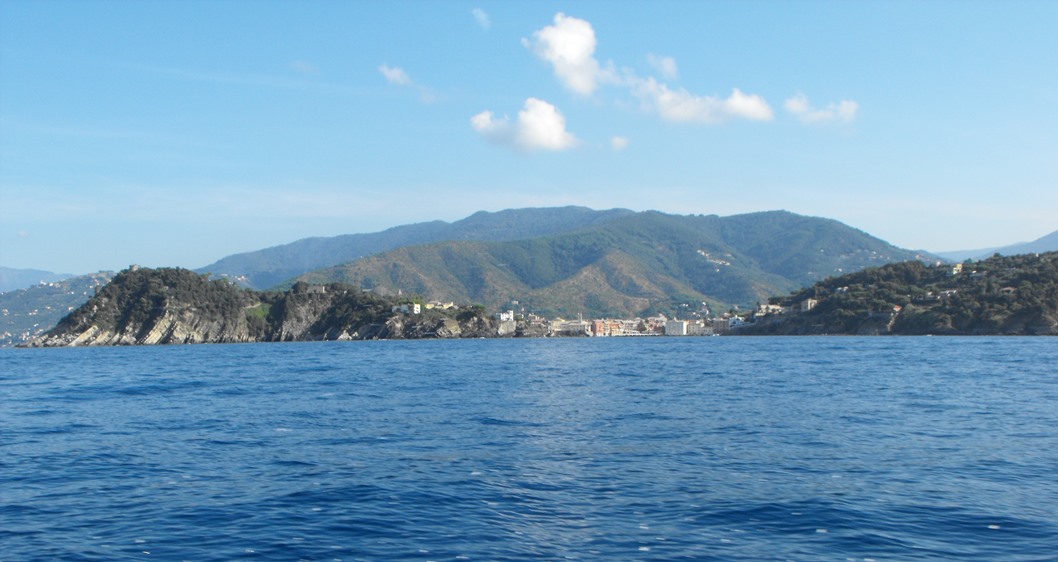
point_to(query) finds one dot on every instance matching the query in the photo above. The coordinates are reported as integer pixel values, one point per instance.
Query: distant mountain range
(27, 313)
(270, 267)
(13, 279)
(1048, 243)
(624, 264)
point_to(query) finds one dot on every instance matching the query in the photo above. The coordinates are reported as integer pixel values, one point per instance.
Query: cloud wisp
(844, 111)
(665, 66)
(681, 106)
(540, 126)
(395, 75)
(398, 76)
(482, 18)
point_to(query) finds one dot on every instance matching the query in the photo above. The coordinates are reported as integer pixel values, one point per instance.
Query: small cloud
(666, 66)
(841, 112)
(395, 75)
(682, 106)
(304, 67)
(619, 143)
(22, 234)
(569, 45)
(540, 126)
(747, 106)
(482, 18)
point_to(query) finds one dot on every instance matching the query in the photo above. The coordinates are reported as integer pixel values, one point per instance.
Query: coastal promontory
(143, 306)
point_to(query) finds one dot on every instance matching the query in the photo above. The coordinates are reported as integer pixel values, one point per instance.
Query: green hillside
(267, 268)
(1015, 295)
(630, 265)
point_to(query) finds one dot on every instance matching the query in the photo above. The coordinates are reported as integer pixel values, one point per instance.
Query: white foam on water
(644, 549)
(994, 527)
(822, 531)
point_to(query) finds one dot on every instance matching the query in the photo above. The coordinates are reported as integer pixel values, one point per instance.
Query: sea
(722, 448)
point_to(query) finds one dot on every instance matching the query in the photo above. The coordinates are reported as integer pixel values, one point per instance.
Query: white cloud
(569, 45)
(682, 106)
(482, 18)
(841, 112)
(619, 143)
(666, 66)
(395, 75)
(540, 126)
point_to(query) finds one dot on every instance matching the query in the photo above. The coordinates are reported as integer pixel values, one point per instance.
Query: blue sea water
(621, 449)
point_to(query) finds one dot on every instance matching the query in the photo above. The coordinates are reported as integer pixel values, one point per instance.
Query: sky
(174, 133)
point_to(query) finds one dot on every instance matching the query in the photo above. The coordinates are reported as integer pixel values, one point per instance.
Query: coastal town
(700, 323)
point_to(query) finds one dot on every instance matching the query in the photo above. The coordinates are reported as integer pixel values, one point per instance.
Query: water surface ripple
(620, 449)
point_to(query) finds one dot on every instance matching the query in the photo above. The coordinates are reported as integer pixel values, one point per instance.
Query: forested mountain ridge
(1002, 295)
(631, 265)
(269, 267)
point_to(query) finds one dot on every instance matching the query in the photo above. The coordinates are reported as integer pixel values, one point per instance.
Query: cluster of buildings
(659, 325)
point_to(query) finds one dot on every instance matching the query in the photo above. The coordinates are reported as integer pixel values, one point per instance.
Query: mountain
(635, 264)
(269, 267)
(1048, 243)
(1015, 295)
(142, 306)
(27, 313)
(13, 279)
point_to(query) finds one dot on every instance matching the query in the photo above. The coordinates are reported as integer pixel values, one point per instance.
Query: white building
(676, 328)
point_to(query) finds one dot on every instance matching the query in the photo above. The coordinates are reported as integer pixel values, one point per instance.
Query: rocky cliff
(170, 306)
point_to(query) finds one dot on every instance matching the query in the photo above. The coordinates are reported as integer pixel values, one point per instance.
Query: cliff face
(171, 326)
(172, 306)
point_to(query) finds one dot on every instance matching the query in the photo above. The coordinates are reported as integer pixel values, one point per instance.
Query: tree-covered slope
(626, 266)
(269, 267)
(1015, 295)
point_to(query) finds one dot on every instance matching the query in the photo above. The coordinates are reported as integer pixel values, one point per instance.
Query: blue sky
(176, 133)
